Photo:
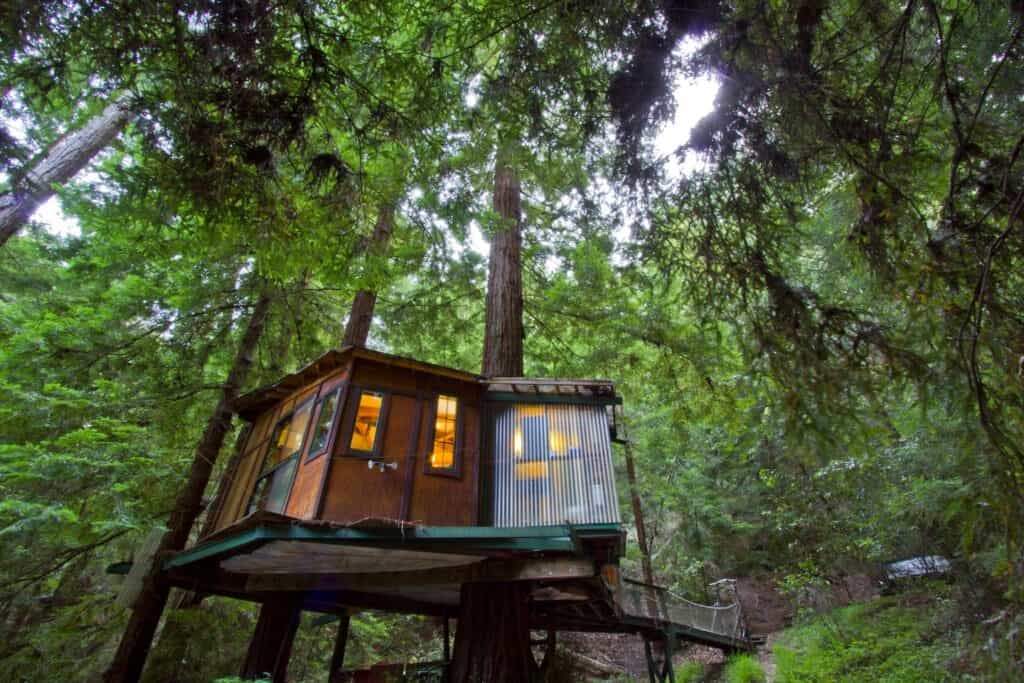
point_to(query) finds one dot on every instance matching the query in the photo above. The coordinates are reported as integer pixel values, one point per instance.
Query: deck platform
(399, 567)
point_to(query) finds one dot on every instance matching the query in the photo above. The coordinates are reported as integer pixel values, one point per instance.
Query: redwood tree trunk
(503, 331)
(66, 157)
(130, 657)
(357, 330)
(492, 640)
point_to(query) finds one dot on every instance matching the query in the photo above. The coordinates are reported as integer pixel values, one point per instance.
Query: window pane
(322, 432)
(280, 485)
(277, 448)
(442, 455)
(364, 431)
(297, 429)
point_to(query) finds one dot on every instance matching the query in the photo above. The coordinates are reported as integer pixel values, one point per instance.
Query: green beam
(558, 538)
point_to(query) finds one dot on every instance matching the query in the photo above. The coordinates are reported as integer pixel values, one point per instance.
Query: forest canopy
(812, 307)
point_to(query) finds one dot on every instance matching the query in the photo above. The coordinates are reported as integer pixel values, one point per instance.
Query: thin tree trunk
(131, 654)
(638, 516)
(65, 158)
(357, 330)
(503, 331)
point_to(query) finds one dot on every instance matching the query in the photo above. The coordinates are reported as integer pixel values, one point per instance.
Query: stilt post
(338, 658)
(271, 645)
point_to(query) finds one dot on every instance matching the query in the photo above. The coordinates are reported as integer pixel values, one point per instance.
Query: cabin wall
(550, 464)
(308, 476)
(308, 482)
(337, 485)
(243, 477)
(403, 489)
(447, 501)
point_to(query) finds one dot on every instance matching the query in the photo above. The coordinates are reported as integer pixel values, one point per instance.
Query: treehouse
(367, 480)
(363, 462)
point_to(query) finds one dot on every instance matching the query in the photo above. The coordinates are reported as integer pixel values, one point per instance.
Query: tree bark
(130, 657)
(357, 330)
(492, 640)
(638, 516)
(503, 330)
(65, 158)
(271, 644)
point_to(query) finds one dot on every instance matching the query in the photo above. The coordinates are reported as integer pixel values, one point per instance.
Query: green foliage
(880, 641)
(743, 669)
(690, 672)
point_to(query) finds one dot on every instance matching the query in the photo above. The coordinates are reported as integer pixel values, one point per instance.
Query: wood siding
(339, 486)
(445, 501)
(237, 501)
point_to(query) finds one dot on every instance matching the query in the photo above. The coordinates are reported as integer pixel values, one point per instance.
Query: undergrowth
(743, 669)
(897, 639)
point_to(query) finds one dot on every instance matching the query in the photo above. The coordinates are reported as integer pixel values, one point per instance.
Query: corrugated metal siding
(552, 465)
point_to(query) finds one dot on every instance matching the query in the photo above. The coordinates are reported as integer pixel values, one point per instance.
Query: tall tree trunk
(503, 331)
(492, 640)
(131, 654)
(357, 330)
(65, 158)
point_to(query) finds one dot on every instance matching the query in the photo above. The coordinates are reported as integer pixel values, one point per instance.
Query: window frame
(312, 455)
(455, 470)
(294, 455)
(355, 396)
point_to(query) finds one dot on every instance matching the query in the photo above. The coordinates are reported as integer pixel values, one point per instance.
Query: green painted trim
(558, 538)
(513, 397)
(205, 550)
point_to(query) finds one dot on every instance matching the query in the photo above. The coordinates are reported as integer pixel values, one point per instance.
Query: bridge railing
(654, 603)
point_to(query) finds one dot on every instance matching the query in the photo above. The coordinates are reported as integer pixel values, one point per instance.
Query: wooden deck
(383, 565)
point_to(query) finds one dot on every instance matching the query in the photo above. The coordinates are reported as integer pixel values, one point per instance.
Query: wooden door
(367, 472)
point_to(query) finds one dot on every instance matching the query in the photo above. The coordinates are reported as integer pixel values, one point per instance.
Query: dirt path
(766, 657)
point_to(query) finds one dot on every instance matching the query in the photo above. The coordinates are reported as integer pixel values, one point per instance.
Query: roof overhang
(252, 404)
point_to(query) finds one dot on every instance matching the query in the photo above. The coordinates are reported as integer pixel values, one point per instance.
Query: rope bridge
(654, 607)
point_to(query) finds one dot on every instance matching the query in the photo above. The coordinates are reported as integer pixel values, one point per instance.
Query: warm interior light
(364, 431)
(442, 455)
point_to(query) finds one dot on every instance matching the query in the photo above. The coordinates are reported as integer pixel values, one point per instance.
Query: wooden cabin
(359, 436)
(371, 481)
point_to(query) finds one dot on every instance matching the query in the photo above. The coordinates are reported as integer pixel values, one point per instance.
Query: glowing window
(442, 454)
(364, 430)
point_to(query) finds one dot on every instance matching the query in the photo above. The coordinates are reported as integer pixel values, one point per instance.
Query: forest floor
(768, 613)
(610, 655)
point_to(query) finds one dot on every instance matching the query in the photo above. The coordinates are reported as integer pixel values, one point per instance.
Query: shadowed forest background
(812, 307)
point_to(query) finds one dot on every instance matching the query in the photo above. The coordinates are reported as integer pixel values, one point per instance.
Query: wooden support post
(447, 644)
(338, 658)
(652, 669)
(271, 645)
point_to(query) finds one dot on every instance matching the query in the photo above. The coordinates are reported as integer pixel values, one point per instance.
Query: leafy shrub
(690, 672)
(743, 669)
(879, 641)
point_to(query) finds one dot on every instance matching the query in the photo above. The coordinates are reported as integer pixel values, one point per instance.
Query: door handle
(381, 465)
